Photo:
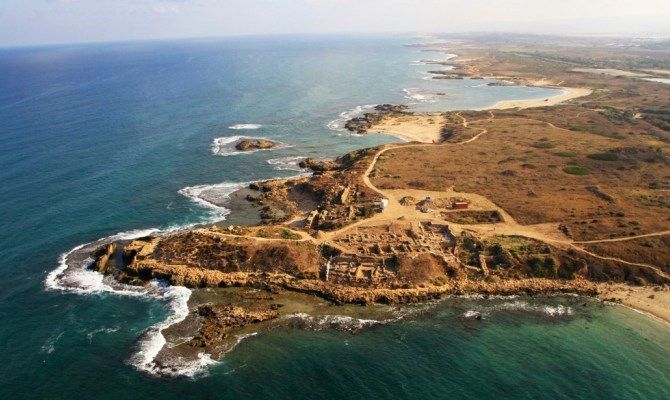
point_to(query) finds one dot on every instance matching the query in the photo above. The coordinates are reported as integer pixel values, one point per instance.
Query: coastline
(424, 128)
(653, 301)
(568, 94)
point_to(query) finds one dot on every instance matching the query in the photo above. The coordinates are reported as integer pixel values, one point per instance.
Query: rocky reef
(255, 144)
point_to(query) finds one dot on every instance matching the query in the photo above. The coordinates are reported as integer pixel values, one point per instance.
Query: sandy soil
(568, 94)
(658, 71)
(425, 128)
(609, 71)
(648, 299)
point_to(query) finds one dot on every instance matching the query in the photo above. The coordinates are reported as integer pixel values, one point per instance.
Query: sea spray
(290, 163)
(73, 275)
(337, 124)
(213, 197)
(245, 127)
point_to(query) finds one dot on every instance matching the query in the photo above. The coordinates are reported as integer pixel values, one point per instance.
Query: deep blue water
(100, 139)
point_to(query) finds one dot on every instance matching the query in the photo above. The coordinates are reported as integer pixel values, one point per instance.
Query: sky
(29, 22)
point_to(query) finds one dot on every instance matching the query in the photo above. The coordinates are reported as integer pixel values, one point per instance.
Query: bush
(576, 170)
(287, 234)
(544, 145)
(607, 156)
(565, 154)
(543, 268)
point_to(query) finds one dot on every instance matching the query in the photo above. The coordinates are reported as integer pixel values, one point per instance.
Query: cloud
(168, 8)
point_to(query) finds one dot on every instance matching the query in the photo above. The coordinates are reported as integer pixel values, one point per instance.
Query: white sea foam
(287, 163)
(245, 126)
(212, 197)
(73, 275)
(338, 123)
(152, 341)
(420, 95)
(557, 310)
(225, 146)
(49, 345)
(95, 332)
(79, 279)
(338, 322)
(472, 314)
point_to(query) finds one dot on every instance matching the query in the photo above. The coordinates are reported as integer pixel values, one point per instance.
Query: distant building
(460, 205)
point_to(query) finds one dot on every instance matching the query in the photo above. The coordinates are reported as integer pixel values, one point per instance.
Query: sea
(118, 140)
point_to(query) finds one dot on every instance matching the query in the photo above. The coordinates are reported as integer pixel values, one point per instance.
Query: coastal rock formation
(318, 165)
(255, 144)
(218, 321)
(333, 197)
(102, 257)
(362, 124)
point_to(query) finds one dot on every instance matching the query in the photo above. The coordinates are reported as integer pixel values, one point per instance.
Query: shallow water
(100, 139)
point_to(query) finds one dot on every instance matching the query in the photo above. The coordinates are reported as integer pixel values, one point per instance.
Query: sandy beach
(568, 94)
(651, 300)
(425, 128)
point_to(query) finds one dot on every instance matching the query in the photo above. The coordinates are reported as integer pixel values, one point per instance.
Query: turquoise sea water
(101, 139)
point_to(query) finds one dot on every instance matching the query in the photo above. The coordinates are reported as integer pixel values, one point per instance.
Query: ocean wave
(245, 126)
(49, 345)
(557, 310)
(152, 341)
(73, 275)
(338, 123)
(420, 95)
(213, 197)
(338, 322)
(95, 332)
(287, 163)
(225, 146)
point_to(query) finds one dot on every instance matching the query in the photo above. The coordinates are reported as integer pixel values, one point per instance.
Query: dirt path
(623, 239)
(509, 227)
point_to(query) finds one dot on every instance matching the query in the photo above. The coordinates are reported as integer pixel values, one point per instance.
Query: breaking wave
(245, 126)
(552, 311)
(337, 322)
(420, 95)
(73, 275)
(287, 163)
(212, 197)
(338, 123)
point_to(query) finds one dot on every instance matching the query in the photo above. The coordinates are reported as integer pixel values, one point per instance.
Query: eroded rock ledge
(255, 144)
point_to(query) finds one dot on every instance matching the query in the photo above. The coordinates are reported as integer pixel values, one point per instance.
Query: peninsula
(562, 195)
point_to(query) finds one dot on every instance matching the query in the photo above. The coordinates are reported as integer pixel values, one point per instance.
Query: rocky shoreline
(299, 247)
(362, 124)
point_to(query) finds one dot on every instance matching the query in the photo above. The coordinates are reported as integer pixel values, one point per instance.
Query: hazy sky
(49, 21)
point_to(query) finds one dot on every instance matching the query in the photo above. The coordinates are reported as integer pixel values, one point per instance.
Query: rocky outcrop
(318, 165)
(362, 124)
(219, 321)
(255, 144)
(102, 256)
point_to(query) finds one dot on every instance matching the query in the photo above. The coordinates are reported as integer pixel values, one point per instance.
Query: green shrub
(543, 268)
(576, 170)
(544, 145)
(287, 234)
(607, 156)
(565, 154)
